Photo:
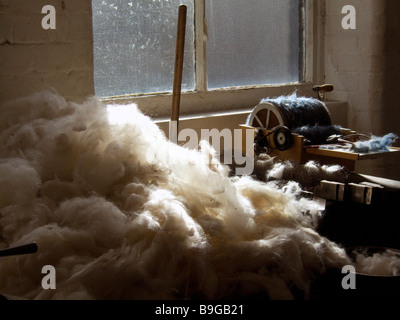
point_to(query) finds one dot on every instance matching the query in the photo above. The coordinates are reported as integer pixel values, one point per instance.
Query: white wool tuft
(308, 175)
(385, 263)
(19, 182)
(123, 213)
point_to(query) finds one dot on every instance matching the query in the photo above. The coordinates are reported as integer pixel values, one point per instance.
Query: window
(229, 43)
(134, 46)
(253, 42)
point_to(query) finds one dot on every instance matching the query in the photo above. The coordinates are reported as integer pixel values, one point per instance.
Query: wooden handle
(180, 47)
(24, 249)
(324, 88)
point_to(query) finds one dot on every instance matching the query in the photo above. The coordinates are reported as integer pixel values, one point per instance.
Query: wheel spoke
(259, 121)
(268, 117)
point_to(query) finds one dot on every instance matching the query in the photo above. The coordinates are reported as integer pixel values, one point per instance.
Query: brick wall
(353, 61)
(362, 65)
(32, 58)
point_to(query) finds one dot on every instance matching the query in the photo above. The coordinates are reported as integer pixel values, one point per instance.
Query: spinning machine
(359, 209)
(300, 129)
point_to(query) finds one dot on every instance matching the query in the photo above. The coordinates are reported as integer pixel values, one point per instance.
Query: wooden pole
(179, 54)
(24, 249)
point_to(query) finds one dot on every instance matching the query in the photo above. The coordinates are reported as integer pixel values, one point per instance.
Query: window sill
(158, 106)
(231, 119)
(213, 120)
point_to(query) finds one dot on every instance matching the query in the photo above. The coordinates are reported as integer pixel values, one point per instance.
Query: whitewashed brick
(32, 59)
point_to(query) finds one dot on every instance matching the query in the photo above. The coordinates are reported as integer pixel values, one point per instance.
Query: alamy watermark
(49, 280)
(237, 150)
(349, 20)
(49, 20)
(349, 280)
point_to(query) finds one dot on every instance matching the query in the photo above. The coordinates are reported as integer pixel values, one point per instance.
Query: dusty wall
(362, 64)
(33, 58)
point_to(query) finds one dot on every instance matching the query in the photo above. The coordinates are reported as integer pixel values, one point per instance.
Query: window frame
(235, 99)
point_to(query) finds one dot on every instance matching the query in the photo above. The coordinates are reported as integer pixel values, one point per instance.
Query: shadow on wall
(391, 85)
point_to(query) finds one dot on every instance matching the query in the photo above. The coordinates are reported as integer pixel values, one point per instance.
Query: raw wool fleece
(308, 175)
(118, 220)
(386, 263)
